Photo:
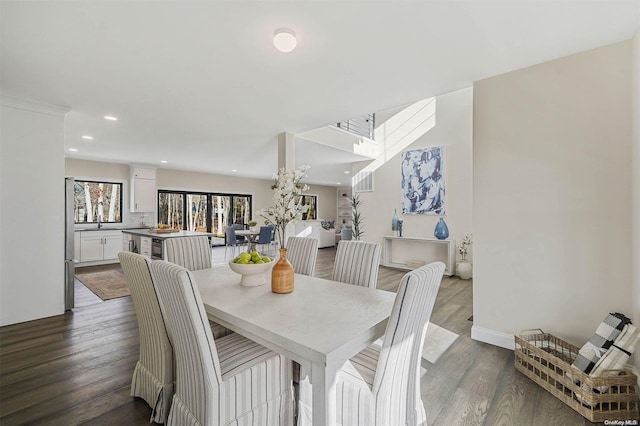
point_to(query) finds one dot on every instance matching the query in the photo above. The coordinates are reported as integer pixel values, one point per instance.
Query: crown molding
(33, 106)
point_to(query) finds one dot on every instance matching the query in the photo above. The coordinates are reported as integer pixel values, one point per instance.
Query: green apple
(266, 259)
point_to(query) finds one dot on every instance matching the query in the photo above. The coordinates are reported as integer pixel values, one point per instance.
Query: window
(171, 209)
(96, 200)
(206, 212)
(307, 204)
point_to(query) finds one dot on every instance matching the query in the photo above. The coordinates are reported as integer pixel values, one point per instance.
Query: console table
(398, 250)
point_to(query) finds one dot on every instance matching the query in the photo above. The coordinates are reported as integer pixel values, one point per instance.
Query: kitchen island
(151, 243)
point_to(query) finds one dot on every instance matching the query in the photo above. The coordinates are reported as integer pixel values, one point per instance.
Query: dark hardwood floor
(76, 368)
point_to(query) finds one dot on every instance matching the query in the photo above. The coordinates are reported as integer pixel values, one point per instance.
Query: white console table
(398, 250)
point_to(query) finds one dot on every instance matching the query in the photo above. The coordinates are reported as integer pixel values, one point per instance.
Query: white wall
(635, 185)
(181, 180)
(552, 210)
(31, 211)
(453, 130)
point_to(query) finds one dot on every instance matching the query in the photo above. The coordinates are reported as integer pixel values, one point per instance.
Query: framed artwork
(423, 189)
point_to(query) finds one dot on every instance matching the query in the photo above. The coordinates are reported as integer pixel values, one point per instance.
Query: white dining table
(250, 235)
(321, 324)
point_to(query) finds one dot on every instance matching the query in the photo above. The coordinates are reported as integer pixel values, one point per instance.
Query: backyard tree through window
(97, 201)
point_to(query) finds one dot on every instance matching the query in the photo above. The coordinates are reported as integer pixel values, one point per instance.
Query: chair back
(192, 253)
(153, 375)
(230, 235)
(357, 263)
(302, 253)
(265, 235)
(198, 375)
(397, 379)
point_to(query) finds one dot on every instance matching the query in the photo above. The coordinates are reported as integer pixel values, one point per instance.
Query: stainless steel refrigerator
(69, 246)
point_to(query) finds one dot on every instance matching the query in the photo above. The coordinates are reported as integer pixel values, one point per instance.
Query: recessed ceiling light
(284, 40)
(233, 170)
(110, 118)
(163, 161)
(89, 138)
(73, 150)
(338, 183)
(347, 172)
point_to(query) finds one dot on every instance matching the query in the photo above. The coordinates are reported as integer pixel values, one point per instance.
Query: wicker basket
(547, 360)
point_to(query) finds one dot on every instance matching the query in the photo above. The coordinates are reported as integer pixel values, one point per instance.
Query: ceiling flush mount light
(89, 138)
(284, 40)
(110, 118)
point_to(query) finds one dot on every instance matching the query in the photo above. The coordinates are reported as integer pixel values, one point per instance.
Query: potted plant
(356, 217)
(253, 225)
(287, 188)
(464, 267)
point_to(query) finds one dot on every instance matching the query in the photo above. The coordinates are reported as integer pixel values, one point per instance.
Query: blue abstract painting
(423, 187)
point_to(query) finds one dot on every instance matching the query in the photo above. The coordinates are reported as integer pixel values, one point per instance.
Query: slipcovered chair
(381, 386)
(193, 253)
(357, 263)
(153, 375)
(302, 253)
(226, 381)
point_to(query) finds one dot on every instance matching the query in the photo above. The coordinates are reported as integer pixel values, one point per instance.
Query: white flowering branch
(286, 188)
(463, 247)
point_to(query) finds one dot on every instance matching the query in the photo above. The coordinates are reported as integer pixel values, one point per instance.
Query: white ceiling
(199, 84)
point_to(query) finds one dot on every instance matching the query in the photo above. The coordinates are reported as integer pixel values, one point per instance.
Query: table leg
(323, 380)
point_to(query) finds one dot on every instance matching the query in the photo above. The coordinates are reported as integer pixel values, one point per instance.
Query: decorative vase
(442, 231)
(394, 223)
(282, 275)
(464, 269)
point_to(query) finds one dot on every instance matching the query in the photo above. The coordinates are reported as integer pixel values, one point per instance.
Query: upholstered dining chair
(231, 240)
(265, 238)
(357, 263)
(381, 386)
(193, 253)
(231, 380)
(153, 375)
(302, 253)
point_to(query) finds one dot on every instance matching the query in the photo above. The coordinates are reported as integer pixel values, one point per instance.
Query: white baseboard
(492, 337)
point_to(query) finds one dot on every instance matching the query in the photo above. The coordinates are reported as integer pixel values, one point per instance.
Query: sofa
(312, 229)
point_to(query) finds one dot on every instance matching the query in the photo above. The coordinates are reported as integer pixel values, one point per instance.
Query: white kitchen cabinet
(112, 245)
(145, 246)
(143, 190)
(100, 245)
(126, 239)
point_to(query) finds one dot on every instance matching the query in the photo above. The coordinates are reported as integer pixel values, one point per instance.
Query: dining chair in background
(230, 239)
(381, 385)
(357, 263)
(231, 380)
(302, 253)
(193, 253)
(153, 375)
(265, 238)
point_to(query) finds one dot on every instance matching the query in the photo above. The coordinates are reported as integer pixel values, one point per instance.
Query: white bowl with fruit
(252, 266)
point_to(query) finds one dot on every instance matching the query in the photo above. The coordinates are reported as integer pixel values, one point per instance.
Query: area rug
(108, 284)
